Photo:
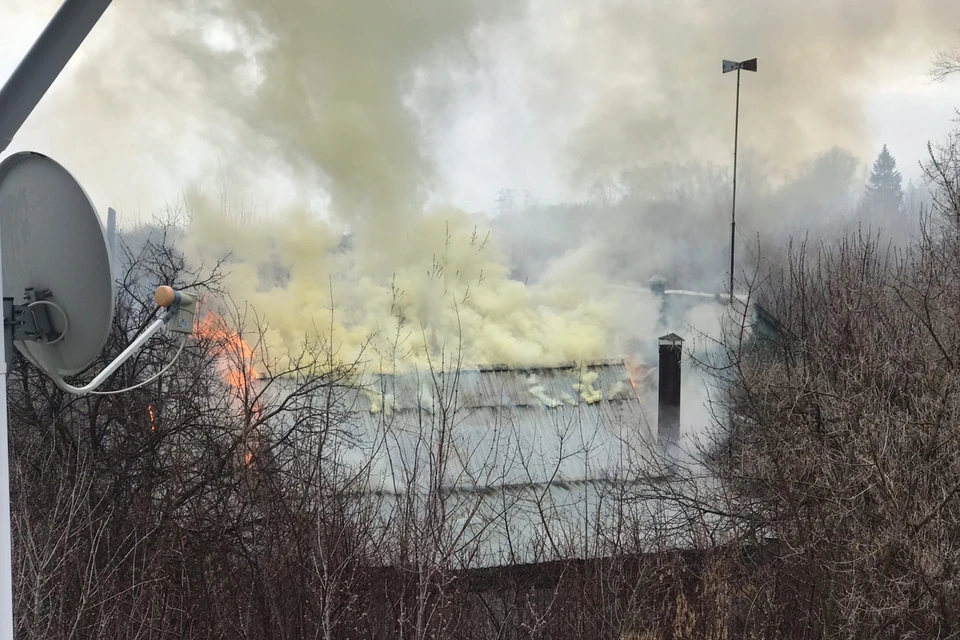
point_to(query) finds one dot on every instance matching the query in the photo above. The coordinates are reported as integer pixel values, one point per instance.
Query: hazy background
(539, 96)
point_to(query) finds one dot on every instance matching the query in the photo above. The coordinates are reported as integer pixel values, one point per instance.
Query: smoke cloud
(640, 82)
(341, 108)
(328, 98)
(448, 301)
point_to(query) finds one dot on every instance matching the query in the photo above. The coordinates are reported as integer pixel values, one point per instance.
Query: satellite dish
(51, 240)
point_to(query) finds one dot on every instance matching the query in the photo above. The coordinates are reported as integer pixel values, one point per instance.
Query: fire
(236, 356)
(633, 374)
(235, 361)
(153, 418)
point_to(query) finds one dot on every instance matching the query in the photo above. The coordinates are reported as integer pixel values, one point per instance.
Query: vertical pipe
(112, 239)
(658, 286)
(733, 214)
(6, 551)
(44, 62)
(668, 407)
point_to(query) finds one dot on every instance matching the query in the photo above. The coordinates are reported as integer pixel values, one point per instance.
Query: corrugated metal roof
(494, 386)
(497, 426)
(524, 452)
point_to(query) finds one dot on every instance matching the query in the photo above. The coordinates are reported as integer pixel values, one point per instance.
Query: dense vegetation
(197, 508)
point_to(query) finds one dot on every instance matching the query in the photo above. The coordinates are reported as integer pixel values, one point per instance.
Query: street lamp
(728, 66)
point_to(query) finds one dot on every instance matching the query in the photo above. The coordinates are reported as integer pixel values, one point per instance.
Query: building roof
(520, 456)
(501, 426)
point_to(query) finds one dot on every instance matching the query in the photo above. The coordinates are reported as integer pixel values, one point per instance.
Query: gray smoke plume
(340, 105)
(633, 83)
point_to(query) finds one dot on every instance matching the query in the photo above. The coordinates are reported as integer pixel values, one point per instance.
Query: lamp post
(728, 66)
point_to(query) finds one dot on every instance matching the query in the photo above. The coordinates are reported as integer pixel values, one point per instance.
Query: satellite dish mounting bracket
(30, 321)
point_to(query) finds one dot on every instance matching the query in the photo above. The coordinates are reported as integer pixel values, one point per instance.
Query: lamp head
(746, 65)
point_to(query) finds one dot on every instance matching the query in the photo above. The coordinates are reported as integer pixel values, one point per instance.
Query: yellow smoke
(448, 299)
(414, 286)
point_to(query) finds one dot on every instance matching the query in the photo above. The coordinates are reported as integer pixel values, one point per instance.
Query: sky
(531, 113)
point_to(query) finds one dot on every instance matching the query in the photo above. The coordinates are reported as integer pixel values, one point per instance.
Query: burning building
(506, 465)
(526, 465)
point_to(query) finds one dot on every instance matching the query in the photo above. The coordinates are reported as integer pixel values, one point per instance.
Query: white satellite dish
(54, 255)
(57, 284)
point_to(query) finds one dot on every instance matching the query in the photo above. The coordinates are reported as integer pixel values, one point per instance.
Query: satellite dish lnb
(57, 284)
(53, 248)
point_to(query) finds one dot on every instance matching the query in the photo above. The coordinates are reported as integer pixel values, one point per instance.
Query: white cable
(66, 320)
(173, 361)
(109, 370)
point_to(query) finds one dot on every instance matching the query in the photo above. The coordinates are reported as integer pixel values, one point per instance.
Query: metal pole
(18, 97)
(112, 240)
(733, 215)
(6, 553)
(44, 62)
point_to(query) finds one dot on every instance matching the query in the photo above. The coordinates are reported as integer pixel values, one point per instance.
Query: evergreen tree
(884, 192)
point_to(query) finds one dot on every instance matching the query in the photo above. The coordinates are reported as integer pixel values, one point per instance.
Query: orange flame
(235, 357)
(633, 374)
(153, 418)
(235, 361)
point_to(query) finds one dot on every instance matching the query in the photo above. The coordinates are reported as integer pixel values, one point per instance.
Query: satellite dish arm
(102, 377)
(178, 316)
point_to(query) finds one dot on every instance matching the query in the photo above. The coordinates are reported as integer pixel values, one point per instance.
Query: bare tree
(945, 64)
